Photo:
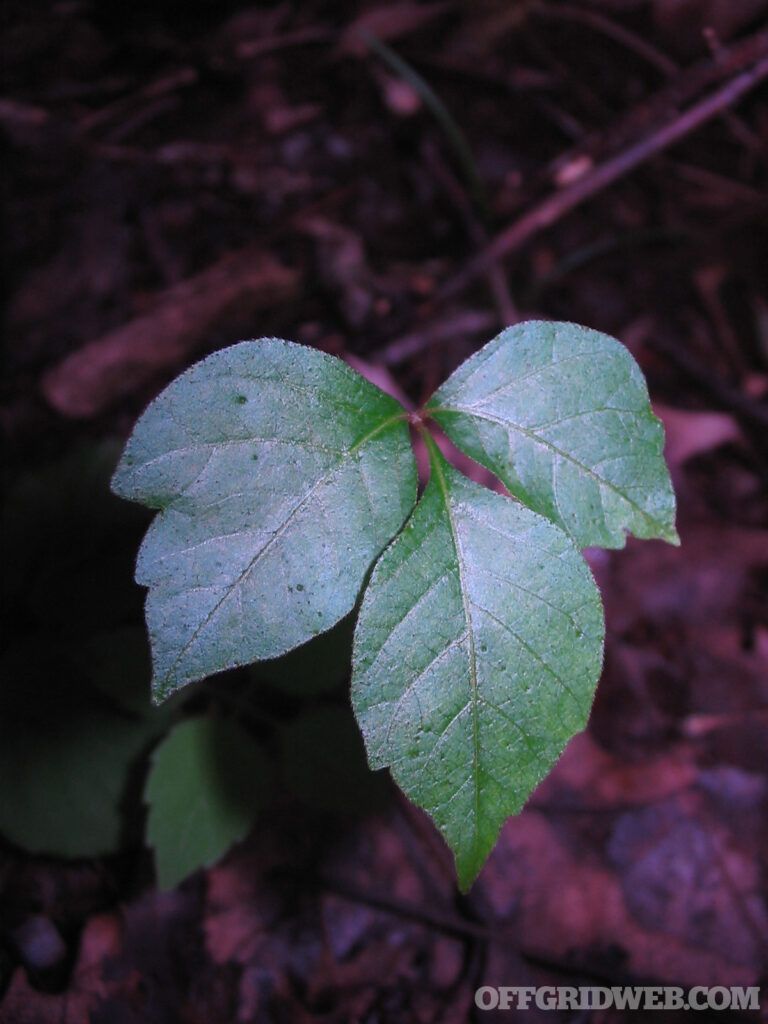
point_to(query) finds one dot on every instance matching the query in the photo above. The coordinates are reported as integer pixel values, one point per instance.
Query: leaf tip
(466, 879)
(469, 864)
(164, 687)
(117, 483)
(672, 537)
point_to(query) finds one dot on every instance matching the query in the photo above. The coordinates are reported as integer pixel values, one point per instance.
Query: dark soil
(179, 177)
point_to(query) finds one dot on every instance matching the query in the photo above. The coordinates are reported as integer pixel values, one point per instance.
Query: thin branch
(453, 133)
(753, 411)
(556, 205)
(458, 324)
(478, 235)
(607, 27)
(450, 923)
(686, 84)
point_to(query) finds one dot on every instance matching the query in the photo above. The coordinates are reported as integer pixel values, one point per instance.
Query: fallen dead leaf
(592, 778)
(692, 433)
(96, 376)
(568, 908)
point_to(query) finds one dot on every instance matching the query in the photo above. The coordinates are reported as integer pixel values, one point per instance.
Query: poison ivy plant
(561, 415)
(477, 650)
(281, 475)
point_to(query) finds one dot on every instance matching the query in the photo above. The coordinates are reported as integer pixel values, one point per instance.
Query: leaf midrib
(440, 477)
(582, 354)
(509, 425)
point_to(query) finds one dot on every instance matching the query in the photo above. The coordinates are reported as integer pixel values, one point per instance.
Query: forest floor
(177, 179)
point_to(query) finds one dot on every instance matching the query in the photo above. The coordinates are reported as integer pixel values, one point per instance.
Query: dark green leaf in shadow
(65, 755)
(207, 782)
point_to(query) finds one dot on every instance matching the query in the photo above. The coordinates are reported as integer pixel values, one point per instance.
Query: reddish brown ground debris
(179, 177)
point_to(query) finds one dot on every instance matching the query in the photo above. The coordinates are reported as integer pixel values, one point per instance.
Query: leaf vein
(508, 424)
(409, 611)
(417, 679)
(272, 540)
(526, 736)
(472, 656)
(532, 651)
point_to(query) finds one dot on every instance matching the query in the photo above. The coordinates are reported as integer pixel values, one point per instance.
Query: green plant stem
(442, 115)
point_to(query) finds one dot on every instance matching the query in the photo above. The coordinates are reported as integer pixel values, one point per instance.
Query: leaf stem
(426, 435)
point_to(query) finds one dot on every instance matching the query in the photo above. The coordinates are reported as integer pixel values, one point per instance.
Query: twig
(146, 115)
(579, 91)
(429, 853)
(432, 917)
(735, 191)
(586, 254)
(181, 79)
(462, 928)
(478, 235)
(554, 206)
(249, 48)
(620, 34)
(730, 398)
(647, 52)
(409, 345)
(755, 925)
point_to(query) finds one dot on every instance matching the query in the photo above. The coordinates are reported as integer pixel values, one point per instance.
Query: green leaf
(476, 655)
(561, 415)
(280, 474)
(207, 782)
(65, 757)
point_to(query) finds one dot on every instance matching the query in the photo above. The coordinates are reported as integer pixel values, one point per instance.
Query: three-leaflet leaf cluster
(284, 480)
